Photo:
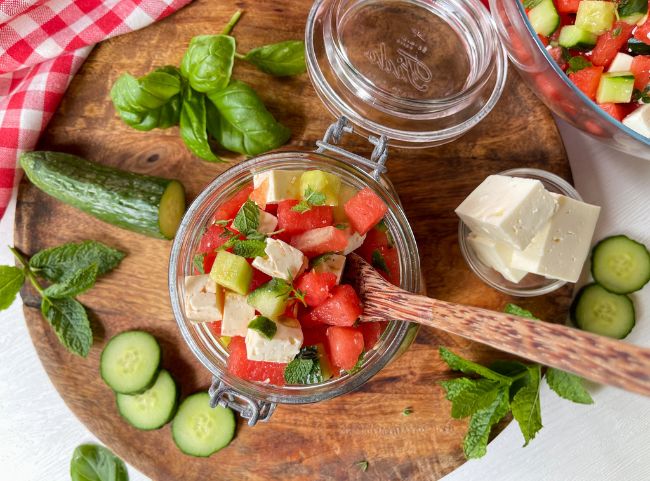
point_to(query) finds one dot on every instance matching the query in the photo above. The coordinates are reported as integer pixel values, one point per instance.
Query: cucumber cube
(576, 38)
(232, 272)
(271, 299)
(323, 182)
(544, 18)
(615, 87)
(596, 16)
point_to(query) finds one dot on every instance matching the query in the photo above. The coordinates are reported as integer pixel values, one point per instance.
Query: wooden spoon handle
(598, 358)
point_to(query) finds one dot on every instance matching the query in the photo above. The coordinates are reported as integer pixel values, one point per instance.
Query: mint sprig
(247, 220)
(310, 198)
(305, 368)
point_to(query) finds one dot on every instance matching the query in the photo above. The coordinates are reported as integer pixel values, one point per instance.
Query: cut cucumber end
(153, 408)
(172, 208)
(602, 312)
(199, 430)
(621, 265)
(129, 363)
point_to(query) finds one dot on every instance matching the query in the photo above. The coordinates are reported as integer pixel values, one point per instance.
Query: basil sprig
(208, 61)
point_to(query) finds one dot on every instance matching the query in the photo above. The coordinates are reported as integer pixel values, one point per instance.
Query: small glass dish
(533, 284)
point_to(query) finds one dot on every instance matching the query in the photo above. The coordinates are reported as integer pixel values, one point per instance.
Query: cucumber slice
(199, 430)
(544, 18)
(576, 38)
(621, 265)
(153, 408)
(271, 299)
(637, 47)
(129, 362)
(602, 312)
(596, 16)
(615, 87)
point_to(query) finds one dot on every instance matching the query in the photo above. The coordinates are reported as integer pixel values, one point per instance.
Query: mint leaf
(310, 198)
(305, 368)
(531, 3)
(515, 310)
(470, 395)
(247, 220)
(525, 405)
(11, 280)
(80, 281)
(378, 261)
(362, 465)
(577, 63)
(258, 236)
(457, 363)
(250, 248)
(69, 320)
(407, 411)
(55, 264)
(265, 326)
(568, 386)
(481, 423)
(198, 263)
(357, 366)
(96, 463)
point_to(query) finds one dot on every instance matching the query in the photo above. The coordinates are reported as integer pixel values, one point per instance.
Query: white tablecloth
(609, 440)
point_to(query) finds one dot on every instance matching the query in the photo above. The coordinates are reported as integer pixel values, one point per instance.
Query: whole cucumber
(148, 205)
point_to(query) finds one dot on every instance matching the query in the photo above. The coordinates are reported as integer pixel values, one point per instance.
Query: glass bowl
(257, 400)
(532, 284)
(553, 87)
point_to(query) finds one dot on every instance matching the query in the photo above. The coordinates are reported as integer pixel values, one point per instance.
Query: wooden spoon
(598, 358)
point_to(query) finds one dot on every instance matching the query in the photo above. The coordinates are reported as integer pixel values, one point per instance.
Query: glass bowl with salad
(257, 279)
(587, 60)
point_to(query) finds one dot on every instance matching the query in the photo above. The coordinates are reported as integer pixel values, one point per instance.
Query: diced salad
(268, 276)
(604, 47)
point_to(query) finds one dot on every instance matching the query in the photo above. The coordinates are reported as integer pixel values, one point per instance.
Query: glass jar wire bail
(251, 409)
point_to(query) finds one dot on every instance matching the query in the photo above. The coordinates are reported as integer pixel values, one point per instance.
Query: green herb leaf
(457, 363)
(481, 423)
(299, 295)
(193, 125)
(378, 261)
(470, 395)
(96, 463)
(247, 220)
(525, 405)
(305, 368)
(265, 326)
(407, 411)
(198, 263)
(241, 123)
(642, 96)
(382, 227)
(357, 366)
(627, 8)
(577, 63)
(11, 280)
(568, 386)
(250, 248)
(279, 59)
(515, 310)
(80, 281)
(208, 61)
(531, 3)
(310, 198)
(56, 264)
(69, 320)
(258, 236)
(362, 465)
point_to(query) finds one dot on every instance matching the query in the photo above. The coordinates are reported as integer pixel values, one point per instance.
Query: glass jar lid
(419, 72)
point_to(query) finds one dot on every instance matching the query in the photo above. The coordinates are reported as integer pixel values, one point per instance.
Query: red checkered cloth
(42, 45)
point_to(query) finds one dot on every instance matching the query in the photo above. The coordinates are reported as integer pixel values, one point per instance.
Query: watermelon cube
(371, 331)
(292, 222)
(365, 210)
(240, 366)
(316, 286)
(213, 238)
(345, 346)
(343, 308)
(320, 241)
(228, 210)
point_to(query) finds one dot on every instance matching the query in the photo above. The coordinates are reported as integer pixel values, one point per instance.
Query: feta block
(237, 313)
(282, 260)
(355, 240)
(509, 209)
(203, 299)
(282, 348)
(560, 249)
(621, 63)
(334, 263)
(639, 120)
(279, 184)
(497, 255)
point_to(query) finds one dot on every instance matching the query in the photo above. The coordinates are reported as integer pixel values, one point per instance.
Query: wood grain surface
(310, 442)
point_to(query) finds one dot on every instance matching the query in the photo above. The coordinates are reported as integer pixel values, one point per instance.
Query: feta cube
(268, 222)
(279, 184)
(355, 240)
(203, 299)
(282, 348)
(282, 260)
(334, 263)
(497, 255)
(560, 249)
(237, 313)
(509, 209)
(639, 120)
(621, 63)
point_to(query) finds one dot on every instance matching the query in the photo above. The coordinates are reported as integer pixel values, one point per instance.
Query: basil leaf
(69, 320)
(11, 280)
(80, 281)
(57, 263)
(241, 123)
(279, 59)
(96, 463)
(193, 125)
(208, 62)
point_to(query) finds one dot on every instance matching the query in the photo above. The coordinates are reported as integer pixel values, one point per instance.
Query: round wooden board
(321, 441)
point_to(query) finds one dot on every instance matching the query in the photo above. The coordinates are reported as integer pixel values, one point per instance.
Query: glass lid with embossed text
(418, 72)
